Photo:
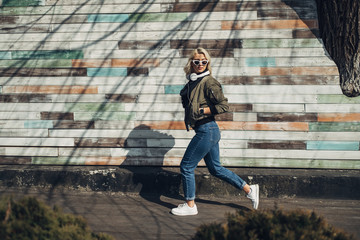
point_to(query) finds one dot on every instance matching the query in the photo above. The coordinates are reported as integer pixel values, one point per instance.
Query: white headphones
(194, 76)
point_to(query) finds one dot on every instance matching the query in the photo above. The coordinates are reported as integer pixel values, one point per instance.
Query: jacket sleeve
(214, 93)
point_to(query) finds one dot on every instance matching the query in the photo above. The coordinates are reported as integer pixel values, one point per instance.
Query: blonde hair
(188, 69)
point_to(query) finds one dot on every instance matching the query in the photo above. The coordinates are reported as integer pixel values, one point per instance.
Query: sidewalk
(131, 216)
(134, 202)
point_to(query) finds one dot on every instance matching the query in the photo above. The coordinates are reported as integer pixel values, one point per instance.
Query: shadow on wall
(156, 181)
(148, 147)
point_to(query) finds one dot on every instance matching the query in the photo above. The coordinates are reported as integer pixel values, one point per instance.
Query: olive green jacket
(207, 93)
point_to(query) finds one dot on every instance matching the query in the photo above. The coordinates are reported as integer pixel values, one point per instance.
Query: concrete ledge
(313, 183)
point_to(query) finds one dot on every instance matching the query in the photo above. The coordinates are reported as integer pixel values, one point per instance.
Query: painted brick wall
(93, 82)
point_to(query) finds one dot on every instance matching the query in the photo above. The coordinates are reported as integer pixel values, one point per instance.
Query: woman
(202, 98)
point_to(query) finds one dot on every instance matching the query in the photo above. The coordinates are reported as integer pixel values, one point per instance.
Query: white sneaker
(253, 195)
(184, 210)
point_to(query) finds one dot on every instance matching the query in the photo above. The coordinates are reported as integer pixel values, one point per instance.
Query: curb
(313, 183)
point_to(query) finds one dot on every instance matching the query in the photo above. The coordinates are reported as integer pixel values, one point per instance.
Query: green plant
(31, 219)
(271, 225)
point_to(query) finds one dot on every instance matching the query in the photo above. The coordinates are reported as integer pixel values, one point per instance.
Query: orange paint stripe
(104, 160)
(269, 71)
(146, 62)
(269, 24)
(84, 63)
(173, 161)
(339, 117)
(175, 125)
(51, 89)
(264, 126)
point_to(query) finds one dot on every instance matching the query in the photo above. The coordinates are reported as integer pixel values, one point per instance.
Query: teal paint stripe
(55, 54)
(94, 107)
(106, 72)
(38, 124)
(173, 89)
(260, 62)
(58, 160)
(336, 98)
(334, 127)
(138, 17)
(108, 17)
(158, 17)
(5, 55)
(332, 145)
(22, 3)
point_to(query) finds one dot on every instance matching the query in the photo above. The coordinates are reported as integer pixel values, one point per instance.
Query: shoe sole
(257, 196)
(183, 214)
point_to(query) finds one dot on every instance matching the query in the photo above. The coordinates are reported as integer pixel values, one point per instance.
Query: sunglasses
(197, 62)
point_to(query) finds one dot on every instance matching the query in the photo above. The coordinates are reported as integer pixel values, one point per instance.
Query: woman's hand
(206, 111)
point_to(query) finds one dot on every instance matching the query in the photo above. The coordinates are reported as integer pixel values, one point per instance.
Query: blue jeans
(205, 144)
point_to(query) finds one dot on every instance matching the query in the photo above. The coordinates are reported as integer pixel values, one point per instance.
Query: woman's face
(198, 63)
